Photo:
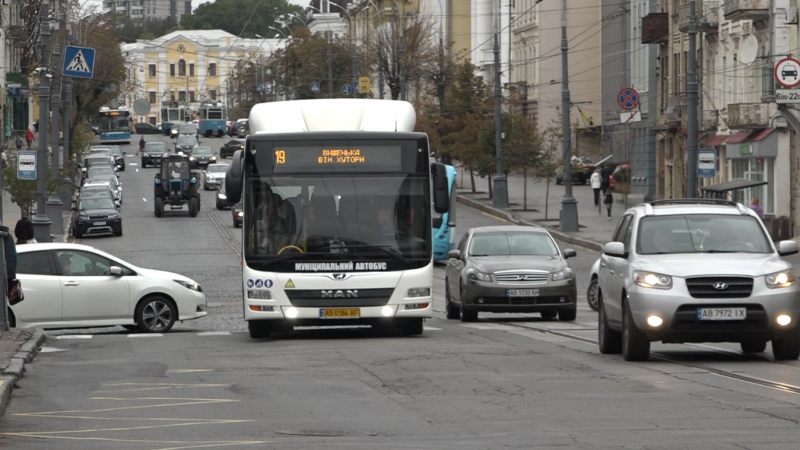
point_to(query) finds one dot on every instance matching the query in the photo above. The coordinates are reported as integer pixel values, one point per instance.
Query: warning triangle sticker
(78, 64)
(289, 284)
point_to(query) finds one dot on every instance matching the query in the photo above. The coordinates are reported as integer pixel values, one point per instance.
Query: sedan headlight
(474, 274)
(222, 196)
(781, 279)
(239, 214)
(189, 285)
(652, 280)
(563, 275)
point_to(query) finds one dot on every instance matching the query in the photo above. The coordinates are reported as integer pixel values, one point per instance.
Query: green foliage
(23, 192)
(244, 18)
(128, 31)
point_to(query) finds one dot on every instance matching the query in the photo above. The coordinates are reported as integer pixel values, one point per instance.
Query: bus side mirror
(233, 178)
(441, 198)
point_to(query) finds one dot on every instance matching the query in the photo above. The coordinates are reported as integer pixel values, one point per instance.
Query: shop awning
(717, 140)
(738, 137)
(760, 134)
(721, 189)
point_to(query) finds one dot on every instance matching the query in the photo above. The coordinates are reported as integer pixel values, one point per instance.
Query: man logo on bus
(341, 294)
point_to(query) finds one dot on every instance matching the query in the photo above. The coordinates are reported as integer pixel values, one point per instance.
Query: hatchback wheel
(156, 315)
(610, 341)
(591, 295)
(451, 311)
(635, 345)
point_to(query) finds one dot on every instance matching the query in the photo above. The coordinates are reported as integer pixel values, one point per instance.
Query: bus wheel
(412, 327)
(259, 329)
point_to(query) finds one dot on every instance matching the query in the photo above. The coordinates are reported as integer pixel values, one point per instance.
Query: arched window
(181, 68)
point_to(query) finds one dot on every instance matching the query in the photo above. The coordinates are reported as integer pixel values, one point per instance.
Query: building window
(212, 69)
(191, 96)
(212, 93)
(152, 98)
(172, 96)
(181, 68)
(182, 96)
(191, 69)
(152, 69)
(172, 70)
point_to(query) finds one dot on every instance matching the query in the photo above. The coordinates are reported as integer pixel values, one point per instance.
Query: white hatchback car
(77, 286)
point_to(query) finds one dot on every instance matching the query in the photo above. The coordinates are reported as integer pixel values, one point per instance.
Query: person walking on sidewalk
(24, 231)
(609, 202)
(755, 206)
(18, 143)
(141, 145)
(596, 182)
(605, 178)
(29, 137)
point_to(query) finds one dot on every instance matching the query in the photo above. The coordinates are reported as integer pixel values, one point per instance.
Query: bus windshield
(114, 123)
(214, 114)
(302, 222)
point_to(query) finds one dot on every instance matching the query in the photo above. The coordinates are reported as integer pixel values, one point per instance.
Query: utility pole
(329, 36)
(500, 194)
(54, 204)
(569, 206)
(41, 224)
(691, 116)
(66, 183)
(353, 55)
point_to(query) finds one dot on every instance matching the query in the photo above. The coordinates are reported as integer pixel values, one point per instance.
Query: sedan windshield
(188, 128)
(337, 218)
(96, 203)
(98, 171)
(155, 147)
(202, 151)
(95, 194)
(711, 233)
(508, 244)
(100, 151)
(187, 139)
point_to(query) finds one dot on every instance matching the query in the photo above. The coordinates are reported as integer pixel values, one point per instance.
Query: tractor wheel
(194, 206)
(159, 207)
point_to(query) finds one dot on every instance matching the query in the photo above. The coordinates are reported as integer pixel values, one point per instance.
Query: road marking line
(214, 333)
(188, 370)
(51, 350)
(144, 199)
(137, 170)
(75, 336)
(132, 164)
(427, 328)
(494, 217)
(145, 335)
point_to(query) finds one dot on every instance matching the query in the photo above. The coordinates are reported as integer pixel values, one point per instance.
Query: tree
(243, 18)
(522, 149)
(551, 141)
(23, 192)
(129, 31)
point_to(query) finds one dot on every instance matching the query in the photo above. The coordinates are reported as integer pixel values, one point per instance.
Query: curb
(558, 235)
(16, 369)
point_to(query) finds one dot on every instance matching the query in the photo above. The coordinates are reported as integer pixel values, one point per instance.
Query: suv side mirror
(569, 253)
(616, 249)
(786, 248)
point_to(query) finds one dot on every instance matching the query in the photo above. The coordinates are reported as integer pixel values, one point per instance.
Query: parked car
(202, 156)
(696, 270)
(214, 176)
(146, 128)
(99, 190)
(510, 269)
(112, 180)
(235, 126)
(591, 292)
(72, 285)
(237, 213)
(153, 151)
(230, 148)
(96, 216)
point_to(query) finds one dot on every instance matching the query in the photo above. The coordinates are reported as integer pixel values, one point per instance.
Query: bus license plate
(327, 313)
(522, 292)
(99, 224)
(721, 313)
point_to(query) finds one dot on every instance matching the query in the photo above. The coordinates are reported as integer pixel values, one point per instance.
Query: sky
(196, 3)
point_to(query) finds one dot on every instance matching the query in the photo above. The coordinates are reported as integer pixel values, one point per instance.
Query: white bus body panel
(340, 114)
(401, 281)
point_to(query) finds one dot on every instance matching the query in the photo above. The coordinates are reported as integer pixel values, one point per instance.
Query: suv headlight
(474, 274)
(189, 285)
(565, 274)
(652, 280)
(781, 279)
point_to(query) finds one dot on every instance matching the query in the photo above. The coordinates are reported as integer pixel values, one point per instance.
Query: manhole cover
(324, 433)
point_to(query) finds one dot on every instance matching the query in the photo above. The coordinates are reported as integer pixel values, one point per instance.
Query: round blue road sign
(628, 98)
(347, 89)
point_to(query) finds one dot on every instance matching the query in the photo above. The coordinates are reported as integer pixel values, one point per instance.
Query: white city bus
(337, 197)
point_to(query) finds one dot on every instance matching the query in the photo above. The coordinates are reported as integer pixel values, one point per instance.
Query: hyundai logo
(720, 285)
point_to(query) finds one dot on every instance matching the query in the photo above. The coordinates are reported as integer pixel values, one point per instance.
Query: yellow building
(188, 66)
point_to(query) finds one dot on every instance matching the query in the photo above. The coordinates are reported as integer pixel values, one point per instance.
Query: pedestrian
(141, 145)
(18, 143)
(36, 126)
(596, 182)
(24, 231)
(29, 137)
(608, 201)
(605, 178)
(755, 206)
(10, 252)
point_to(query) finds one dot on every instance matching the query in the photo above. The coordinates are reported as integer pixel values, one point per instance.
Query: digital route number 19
(280, 156)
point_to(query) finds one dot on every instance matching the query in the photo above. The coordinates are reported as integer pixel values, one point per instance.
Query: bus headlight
(387, 311)
(418, 292)
(292, 313)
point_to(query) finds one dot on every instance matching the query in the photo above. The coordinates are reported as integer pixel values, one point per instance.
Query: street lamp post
(352, 47)
(569, 206)
(329, 38)
(380, 72)
(401, 52)
(500, 194)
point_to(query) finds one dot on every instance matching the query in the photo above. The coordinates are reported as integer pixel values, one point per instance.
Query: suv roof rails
(694, 201)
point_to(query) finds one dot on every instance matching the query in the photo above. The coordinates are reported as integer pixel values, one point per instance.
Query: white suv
(696, 270)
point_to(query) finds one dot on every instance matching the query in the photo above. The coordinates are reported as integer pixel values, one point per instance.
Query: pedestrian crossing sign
(78, 62)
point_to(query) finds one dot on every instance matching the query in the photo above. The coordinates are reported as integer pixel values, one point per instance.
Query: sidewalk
(17, 348)
(594, 227)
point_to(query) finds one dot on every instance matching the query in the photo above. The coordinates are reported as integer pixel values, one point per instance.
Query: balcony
(655, 28)
(707, 12)
(746, 9)
(748, 115)
(675, 110)
(710, 120)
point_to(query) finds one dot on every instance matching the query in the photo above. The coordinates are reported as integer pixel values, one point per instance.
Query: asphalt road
(511, 381)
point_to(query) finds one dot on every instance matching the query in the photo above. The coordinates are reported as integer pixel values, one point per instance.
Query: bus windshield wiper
(278, 258)
(387, 249)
